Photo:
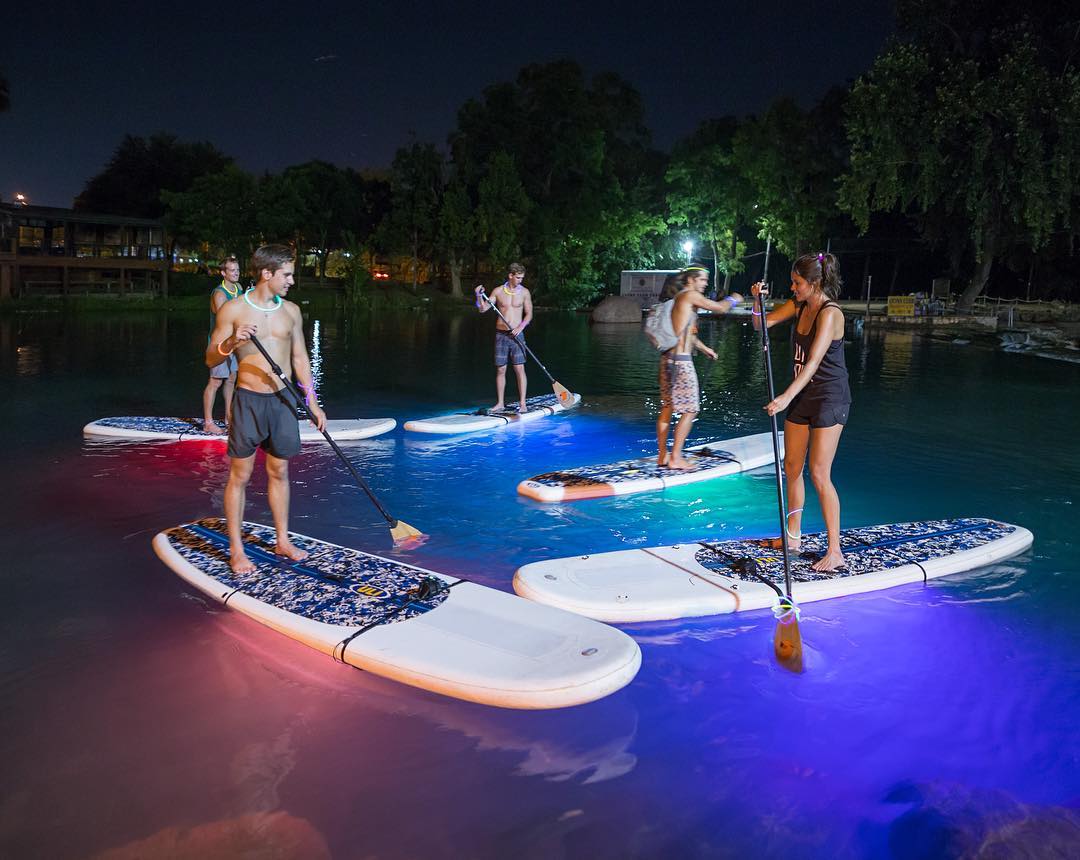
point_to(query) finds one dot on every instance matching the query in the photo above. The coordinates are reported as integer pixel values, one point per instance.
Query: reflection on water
(144, 718)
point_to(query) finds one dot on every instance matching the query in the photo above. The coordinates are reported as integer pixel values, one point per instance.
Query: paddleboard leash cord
(786, 610)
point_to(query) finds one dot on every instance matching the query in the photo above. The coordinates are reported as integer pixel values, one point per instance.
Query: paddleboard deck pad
(188, 429)
(643, 475)
(715, 577)
(403, 622)
(487, 419)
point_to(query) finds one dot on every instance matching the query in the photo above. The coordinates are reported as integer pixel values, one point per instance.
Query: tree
(141, 168)
(416, 190)
(331, 200)
(502, 211)
(970, 126)
(220, 210)
(457, 231)
(792, 160)
(708, 193)
(580, 149)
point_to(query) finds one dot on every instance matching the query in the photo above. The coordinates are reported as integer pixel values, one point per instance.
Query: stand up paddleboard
(643, 475)
(187, 429)
(406, 623)
(714, 577)
(486, 419)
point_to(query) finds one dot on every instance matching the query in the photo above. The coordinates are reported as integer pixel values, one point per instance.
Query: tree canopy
(141, 168)
(961, 145)
(970, 127)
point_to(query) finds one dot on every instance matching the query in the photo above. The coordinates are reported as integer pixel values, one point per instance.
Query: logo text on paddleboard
(365, 590)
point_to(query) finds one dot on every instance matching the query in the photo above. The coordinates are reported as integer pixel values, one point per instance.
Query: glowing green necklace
(277, 303)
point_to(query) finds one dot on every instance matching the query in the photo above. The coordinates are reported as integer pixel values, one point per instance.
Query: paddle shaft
(295, 392)
(521, 343)
(772, 419)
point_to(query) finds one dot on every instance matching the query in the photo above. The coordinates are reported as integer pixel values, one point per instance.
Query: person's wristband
(734, 301)
(226, 354)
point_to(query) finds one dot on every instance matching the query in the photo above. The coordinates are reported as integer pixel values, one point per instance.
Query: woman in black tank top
(818, 398)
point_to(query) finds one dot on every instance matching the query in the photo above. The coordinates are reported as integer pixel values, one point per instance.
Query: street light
(20, 199)
(688, 247)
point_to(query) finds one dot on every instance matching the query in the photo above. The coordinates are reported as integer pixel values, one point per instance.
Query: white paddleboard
(486, 419)
(187, 429)
(712, 577)
(460, 639)
(642, 475)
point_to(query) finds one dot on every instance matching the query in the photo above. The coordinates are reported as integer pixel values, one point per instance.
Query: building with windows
(49, 251)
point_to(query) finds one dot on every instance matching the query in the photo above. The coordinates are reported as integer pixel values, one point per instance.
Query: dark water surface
(139, 717)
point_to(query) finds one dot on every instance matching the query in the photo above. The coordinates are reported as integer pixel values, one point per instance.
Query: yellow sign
(901, 306)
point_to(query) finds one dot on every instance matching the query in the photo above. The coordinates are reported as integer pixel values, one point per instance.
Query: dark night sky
(276, 84)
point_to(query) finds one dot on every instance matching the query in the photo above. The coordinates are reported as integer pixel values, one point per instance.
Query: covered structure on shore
(50, 251)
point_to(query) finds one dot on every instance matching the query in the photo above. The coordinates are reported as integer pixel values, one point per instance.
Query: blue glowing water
(139, 716)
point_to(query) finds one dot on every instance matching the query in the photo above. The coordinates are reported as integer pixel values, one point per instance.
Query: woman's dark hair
(670, 288)
(822, 269)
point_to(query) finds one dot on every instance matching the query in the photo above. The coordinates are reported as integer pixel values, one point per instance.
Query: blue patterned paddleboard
(642, 475)
(714, 577)
(486, 419)
(413, 625)
(189, 429)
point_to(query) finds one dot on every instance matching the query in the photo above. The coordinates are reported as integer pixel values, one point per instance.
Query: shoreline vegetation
(1054, 320)
(988, 201)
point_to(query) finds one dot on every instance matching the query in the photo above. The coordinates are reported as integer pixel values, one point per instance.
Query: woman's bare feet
(240, 563)
(291, 552)
(212, 427)
(680, 464)
(793, 543)
(832, 560)
(522, 408)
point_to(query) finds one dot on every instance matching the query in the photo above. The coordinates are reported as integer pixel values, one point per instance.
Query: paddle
(400, 531)
(564, 395)
(787, 640)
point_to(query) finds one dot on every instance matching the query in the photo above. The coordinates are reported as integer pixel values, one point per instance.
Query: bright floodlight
(688, 246)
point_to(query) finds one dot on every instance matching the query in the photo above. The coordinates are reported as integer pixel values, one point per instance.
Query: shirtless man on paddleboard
(678, 378)
(262, 411)
(515, 304)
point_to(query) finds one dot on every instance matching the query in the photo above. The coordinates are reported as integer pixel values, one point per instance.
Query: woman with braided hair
(818, 399)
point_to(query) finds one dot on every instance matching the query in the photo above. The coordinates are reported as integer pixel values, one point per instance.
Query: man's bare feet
(829, 562)
(680, 464)
(211, 427)
(793, 543)
(240, 563)
(293, 553)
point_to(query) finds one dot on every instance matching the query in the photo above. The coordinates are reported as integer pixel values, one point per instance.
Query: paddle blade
(563, 393)
(406, 536)
(787, 640)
